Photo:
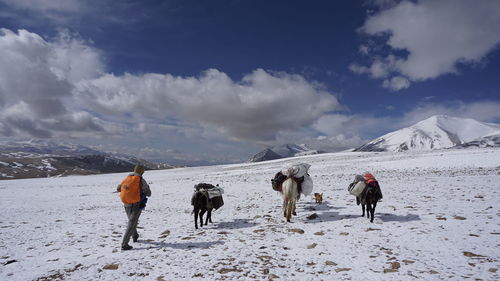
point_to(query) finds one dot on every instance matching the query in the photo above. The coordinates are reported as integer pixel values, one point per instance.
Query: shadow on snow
(391, 217)
(235, 224)
(180, 245)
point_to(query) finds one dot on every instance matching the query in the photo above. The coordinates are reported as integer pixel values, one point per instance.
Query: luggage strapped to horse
(213, 193)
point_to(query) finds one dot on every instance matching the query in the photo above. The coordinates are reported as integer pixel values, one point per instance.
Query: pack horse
(290, 182)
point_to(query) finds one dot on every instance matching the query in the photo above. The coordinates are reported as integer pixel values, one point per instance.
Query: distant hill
(32, 159)
(437, 132)
(282, 151)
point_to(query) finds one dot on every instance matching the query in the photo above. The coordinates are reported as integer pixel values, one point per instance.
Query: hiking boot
(135, 238)
(127, 247)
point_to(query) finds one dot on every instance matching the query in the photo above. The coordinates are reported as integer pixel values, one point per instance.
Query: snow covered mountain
(436, 132)
(38, 158)
(282, 151)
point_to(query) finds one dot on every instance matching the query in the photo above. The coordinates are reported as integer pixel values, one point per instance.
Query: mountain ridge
(435, 132)
(282, 151)
(37, 158)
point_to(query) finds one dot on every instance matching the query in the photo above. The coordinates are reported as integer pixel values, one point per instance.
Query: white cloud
(36, 80)
(59, 88)
(396, 83)
(436, 35)
(255, 108)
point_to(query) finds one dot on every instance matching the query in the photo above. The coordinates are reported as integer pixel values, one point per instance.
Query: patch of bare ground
(394, 267)
(112, 266)
(296, 230)
(340, 269)
(227, 270)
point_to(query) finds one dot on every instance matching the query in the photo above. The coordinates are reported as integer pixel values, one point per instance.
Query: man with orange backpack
(133, 191)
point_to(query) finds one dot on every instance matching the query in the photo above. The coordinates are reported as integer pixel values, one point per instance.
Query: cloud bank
(61, 86)
(428, 38)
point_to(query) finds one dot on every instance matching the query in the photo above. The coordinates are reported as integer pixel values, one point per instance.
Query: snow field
(439, 219)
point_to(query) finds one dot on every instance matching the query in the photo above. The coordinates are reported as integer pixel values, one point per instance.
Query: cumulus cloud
(255, 108)
(396, 83)
(60, 86)
(431, 38)
(36, 80)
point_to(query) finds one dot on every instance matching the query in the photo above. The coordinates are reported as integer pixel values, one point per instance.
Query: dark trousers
(133, 213)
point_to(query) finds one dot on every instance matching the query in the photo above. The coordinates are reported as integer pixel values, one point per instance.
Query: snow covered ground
(439, 219)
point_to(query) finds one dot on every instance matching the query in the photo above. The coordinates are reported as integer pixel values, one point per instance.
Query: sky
(200, 82)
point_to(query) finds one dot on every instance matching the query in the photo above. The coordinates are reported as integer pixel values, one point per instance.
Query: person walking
(133, 192)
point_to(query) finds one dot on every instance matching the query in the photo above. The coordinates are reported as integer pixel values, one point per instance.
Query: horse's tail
(290, 194)
(289, 191)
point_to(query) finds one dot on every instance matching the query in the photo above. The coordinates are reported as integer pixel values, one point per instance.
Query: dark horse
(369, 197)
(201, 205)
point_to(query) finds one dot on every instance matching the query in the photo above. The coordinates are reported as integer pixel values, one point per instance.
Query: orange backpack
(130, 191)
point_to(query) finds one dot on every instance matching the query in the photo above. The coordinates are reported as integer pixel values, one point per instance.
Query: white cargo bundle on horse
(307, 185)
(300, 170)
(357, 186)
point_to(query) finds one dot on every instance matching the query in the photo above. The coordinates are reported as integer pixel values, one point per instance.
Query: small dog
(318, 197)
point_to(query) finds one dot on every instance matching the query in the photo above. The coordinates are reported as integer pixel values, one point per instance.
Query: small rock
(459, 218)
(111, 267)
(296, 230)
(319, 233)
(342, 269)
(471, 255)
(9, 262)
(313, 216)
(165, 233)
(493, 269)
(344, 233)
(227, 270)
(273, 276)
(312, 246)
(331, 263)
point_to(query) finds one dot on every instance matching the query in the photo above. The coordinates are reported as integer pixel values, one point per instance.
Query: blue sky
(216, 81)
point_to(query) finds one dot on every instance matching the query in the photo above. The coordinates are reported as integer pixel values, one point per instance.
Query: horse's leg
(363, 208)
(201, 216)
(368, 208)
(285, 205)
(289, 210)
(209, 217)
(373, 210)
(196, 211)
(294, 202)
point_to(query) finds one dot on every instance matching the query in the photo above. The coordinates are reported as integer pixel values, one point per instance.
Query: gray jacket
(144, 186)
